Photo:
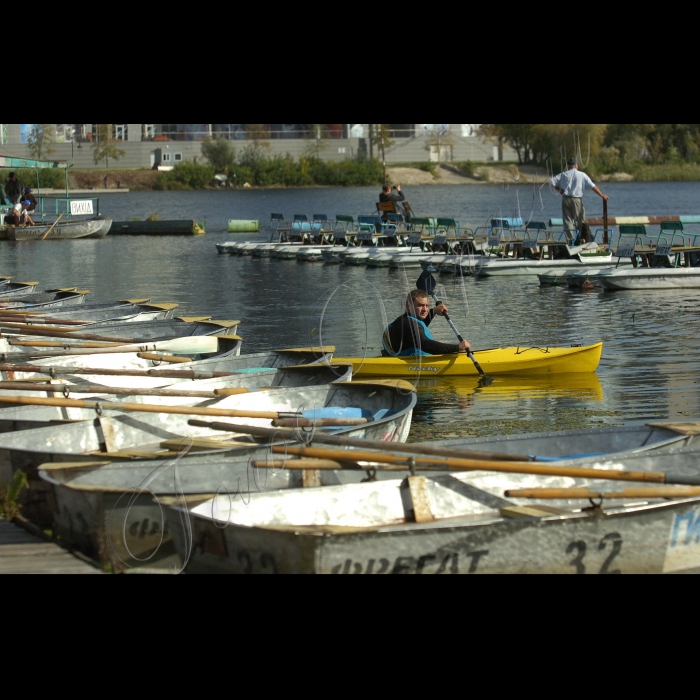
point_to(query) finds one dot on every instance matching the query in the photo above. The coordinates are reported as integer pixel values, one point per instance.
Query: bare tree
(440, 139)
(105, 146)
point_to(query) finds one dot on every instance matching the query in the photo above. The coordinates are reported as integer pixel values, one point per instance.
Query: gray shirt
(573, 182)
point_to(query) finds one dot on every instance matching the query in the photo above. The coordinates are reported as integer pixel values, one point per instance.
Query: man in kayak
(408, 335)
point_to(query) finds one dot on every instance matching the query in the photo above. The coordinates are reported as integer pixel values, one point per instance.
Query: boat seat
(337, 412)
(252, 370)
(346, 412)
(557, 459)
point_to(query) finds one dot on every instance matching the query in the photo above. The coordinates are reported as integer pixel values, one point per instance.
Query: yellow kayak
(521, 360)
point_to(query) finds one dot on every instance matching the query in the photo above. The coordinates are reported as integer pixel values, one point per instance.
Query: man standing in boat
(14, 188)
(571, 185)
(408, 335)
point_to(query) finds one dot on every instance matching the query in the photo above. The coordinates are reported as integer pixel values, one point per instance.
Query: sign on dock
(81, 207)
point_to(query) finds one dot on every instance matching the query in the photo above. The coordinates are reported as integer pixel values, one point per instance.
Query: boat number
(663, 250)
(147, 528)
(443, 564)
(580, 548)
(423, 369)
(625, 252)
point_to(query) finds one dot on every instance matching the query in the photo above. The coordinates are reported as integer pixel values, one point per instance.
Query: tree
(41, 140)
(105, 146)
(219, 151)
(440, 139)
(316, 135)
(259, 133)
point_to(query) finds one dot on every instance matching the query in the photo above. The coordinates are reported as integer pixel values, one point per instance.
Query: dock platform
(24, 553)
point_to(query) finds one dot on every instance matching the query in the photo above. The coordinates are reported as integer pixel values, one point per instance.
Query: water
(650, 362)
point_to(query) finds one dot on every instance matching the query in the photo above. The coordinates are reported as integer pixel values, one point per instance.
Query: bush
(186, 176)
(220, 153)
(50, 178)
(688, 172)
(425, 166)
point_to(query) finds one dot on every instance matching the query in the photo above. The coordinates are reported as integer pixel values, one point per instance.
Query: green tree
(41, 140)
(219, 151)
(381, 133)
(106, 146)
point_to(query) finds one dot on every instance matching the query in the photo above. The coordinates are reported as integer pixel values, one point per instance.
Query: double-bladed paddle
(426, 283)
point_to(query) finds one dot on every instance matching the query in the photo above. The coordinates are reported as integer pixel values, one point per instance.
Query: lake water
(650, 361)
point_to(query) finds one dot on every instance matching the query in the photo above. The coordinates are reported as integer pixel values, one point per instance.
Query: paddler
(408, 335)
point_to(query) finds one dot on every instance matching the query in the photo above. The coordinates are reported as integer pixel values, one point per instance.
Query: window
(166, 157)
(177, 157)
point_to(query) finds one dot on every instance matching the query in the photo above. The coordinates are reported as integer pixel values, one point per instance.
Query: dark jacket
(14, 190)
(396, 197)
(406, 334)
(33, 204)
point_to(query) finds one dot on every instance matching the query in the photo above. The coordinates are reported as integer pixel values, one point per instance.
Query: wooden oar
(341, 441)
(117, 391)
(174, 359)
(426, 283)
(65, 346)
(195, 344)
(575, 494)
(164, 373)
(60, 216)
(7, 315)
(145, 408)
(46, 331)
(452, 464)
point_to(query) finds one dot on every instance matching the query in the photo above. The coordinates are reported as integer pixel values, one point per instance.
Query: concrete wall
(147, 154)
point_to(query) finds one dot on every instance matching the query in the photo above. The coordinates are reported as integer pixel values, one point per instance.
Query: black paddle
(426, 283)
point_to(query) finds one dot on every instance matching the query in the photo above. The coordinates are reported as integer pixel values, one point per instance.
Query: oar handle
(470, 354)
(449, 320)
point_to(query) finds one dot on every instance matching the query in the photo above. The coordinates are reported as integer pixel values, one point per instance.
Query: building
(166, 145)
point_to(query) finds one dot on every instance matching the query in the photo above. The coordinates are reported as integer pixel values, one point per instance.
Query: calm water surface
(650, 361)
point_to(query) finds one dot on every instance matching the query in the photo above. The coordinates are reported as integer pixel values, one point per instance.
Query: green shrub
(686, 172)
(50, 178)
(186, 176)
(467, 168)
(9, 507)
(425, 166)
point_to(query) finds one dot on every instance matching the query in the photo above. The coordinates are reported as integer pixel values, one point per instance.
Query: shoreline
(91, 182)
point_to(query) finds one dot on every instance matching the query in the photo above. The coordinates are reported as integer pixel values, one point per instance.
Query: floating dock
(186, 227)
(24, 553)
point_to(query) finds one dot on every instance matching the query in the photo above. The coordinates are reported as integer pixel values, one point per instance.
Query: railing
(68, 206)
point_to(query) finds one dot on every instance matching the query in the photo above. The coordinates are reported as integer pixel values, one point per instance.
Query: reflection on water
(649, 368)
(458, 406)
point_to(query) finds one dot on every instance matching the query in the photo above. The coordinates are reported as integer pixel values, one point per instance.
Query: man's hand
(464, 346)
(441, 309)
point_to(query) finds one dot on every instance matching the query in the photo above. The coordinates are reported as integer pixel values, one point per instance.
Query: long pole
(606, 237)
(371, 141)
(383, 153)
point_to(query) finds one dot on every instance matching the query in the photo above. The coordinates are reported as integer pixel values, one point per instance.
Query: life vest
(411, 352)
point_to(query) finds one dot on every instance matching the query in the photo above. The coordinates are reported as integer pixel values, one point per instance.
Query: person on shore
(14, 188)
(106, 183)
(571, 185)
(408, 335)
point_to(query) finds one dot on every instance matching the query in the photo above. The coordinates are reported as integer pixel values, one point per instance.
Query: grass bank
(285, 172)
